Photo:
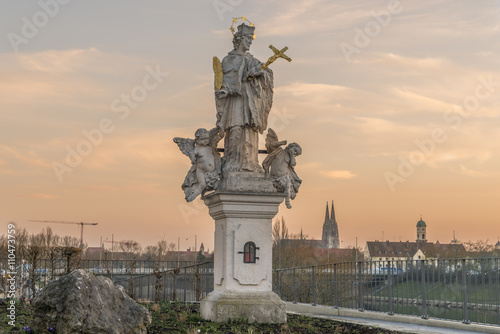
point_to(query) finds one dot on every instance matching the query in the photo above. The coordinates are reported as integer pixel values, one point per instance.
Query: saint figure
(243, 103)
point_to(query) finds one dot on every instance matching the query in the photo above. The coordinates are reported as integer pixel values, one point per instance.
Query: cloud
(338, 174)
(469, 172)
(20, 159)
(299, 89)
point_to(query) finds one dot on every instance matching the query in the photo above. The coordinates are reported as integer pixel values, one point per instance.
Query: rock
(83, 303)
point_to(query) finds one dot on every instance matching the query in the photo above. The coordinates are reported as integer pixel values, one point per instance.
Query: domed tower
(421, 233)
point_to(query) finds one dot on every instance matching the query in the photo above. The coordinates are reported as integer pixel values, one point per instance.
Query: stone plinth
(246, 182)
(242, 288)
(261, 307)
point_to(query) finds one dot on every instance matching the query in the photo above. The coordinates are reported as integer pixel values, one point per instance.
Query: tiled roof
(408, 249)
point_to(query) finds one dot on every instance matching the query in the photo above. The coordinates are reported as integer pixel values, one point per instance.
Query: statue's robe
(244, 112)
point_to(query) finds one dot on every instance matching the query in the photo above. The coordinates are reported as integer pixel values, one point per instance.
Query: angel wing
(272, 141)
(186, 146)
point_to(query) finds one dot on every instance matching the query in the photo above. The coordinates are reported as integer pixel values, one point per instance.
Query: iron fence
(145, 280)
(184, 283)
(466, 290)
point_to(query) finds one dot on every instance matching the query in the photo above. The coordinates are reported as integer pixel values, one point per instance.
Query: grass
(450, 292)
(185, 318)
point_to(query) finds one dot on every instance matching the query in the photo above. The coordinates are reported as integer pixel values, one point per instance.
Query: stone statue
(204, 174)
(243, 103)
(279, 166)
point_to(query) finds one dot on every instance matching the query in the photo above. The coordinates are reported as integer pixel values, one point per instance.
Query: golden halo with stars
(243, 19)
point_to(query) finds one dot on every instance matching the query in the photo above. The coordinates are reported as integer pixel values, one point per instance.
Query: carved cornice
(223, 205)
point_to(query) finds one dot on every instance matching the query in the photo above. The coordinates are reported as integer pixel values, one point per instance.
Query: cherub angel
(279, 166)
(204, 173)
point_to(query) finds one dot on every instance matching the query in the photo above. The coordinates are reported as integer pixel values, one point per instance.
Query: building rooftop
(408, 249)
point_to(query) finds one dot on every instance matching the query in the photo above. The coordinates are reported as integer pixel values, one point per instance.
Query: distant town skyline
(396, 105)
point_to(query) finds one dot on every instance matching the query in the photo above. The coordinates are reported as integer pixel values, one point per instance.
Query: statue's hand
(221, 93)
(221, 131)
(255, 72)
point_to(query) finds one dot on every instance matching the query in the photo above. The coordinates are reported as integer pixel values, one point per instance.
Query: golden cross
(277, 54)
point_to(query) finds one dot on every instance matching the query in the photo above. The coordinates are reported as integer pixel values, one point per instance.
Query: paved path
(399, 323)
(396, 326)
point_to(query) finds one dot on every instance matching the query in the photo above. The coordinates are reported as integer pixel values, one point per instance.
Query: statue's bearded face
(246, 41)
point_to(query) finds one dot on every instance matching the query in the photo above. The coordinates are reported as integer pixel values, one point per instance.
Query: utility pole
(195, 242)
(100, 253)
(356, 249)
(112, 251)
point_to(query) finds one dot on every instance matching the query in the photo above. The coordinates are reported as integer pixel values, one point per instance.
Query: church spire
(330, 229)
(333, 214)
(327, 215)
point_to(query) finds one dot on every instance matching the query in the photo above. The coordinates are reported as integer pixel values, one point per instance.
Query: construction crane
(64, 222)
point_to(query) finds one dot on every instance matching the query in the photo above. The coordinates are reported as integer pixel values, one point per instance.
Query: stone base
(246, 182)
(260, 307)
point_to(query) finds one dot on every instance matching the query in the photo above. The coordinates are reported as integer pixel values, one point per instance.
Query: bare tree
(35, 251)
(150, 253)
(133, 251)
(53, 250)
(164, 248)
(131, 248)
(479, 248)
(70, 249)
(280, 234)
(22, 241)
(3, 246)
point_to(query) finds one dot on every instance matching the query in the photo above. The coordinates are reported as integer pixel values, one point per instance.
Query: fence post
(389, 282)
(313, 287)
(174, 292)
(207, 280)
(294, 287)
(149, 298)
(185, 279)
(360, 287)
(424, 299)
(278, 282)
(335, 286)
(464, 284)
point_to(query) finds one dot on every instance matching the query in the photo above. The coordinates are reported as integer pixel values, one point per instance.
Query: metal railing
(187, 283)
(466, 290)
(145, 280)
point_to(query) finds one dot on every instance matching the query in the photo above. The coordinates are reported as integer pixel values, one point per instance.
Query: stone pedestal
(242, 279)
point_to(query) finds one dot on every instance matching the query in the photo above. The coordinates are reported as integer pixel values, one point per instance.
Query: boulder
(83, 303)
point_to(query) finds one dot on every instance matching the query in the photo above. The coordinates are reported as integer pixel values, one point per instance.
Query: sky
(396, 105)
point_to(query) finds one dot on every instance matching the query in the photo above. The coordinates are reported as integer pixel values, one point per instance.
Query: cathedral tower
(330, 230)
